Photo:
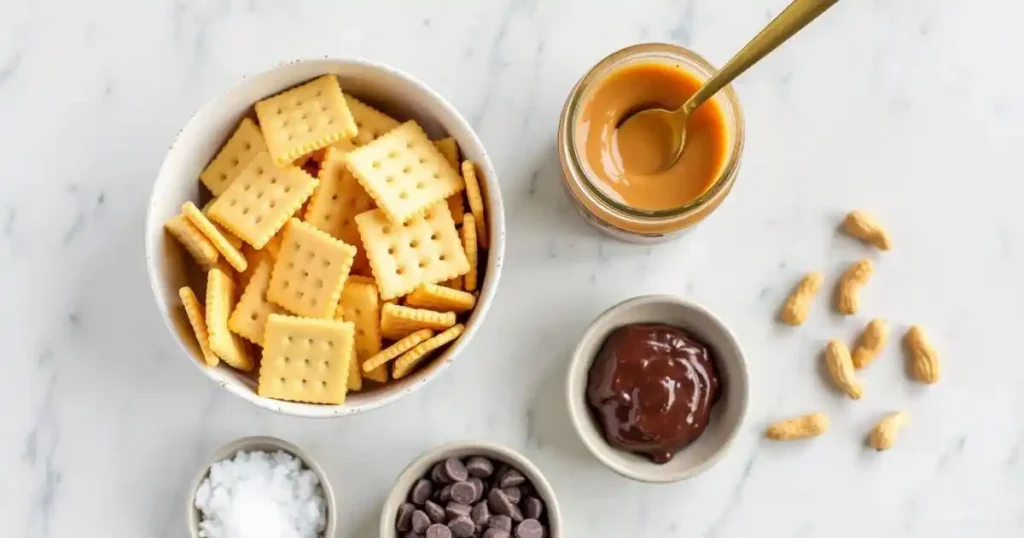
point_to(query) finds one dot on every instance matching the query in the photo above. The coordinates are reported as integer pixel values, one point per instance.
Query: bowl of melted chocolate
(658, 388)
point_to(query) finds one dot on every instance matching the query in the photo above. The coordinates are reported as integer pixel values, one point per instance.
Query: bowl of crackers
(325, 237)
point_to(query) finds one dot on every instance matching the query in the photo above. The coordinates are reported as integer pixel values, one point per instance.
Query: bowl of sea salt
(261, 487)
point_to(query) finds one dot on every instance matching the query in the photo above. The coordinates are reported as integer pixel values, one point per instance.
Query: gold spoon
(662, 132)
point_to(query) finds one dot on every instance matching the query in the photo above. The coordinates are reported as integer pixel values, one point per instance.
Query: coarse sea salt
(261, 495)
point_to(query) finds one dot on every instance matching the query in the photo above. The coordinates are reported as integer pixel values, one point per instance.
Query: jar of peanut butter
(648, 208)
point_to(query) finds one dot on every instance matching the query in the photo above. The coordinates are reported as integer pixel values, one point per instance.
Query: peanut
(840, 367)
(924, 361)
(848, 289)
(884, 433)
(867, 228)
(870, 343)
(798, 304)
(801, 427)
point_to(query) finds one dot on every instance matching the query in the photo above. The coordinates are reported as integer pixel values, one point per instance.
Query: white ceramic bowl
(264, 444)
(421, 466)
(726, 416)
(391, 90)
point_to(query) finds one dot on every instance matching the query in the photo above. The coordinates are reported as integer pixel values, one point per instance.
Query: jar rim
(618, 59)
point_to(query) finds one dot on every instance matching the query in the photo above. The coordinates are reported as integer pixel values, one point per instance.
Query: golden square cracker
(404, 172)
(457, 205)
(440, 298)
(249, 319)
(310, 271)
(201, 249)
(220, 298)
(424, 250)
(306, 360)
(476, 201)
(231, 253)
(454, 283)
(398, 321)
(412, 358)
(231, 238)
(236, 154)
(469, 244)
(262, 199)
(371, 123)
(449, 149)
(337, 201)
(360, 304)
(305, 119)
(197, 319)
(381, 359)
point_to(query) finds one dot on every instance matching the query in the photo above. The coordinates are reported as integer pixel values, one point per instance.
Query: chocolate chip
(455, 471)
(480, 514)
(514, 494)
(529, 528)
(455, 509)
(533, 508)
(516, 514)
(421, 491)
(437, 474)
(495, 533)
(420, 521)
(511, 478)
(500, 522)
(463, 492)
(446, 494)
(478, 488)
(480, 467)
(434, 511)
(499, 503)
(462, 527)
(402, 522)
(440, 531)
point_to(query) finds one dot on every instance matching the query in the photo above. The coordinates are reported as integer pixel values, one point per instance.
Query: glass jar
(613, 217)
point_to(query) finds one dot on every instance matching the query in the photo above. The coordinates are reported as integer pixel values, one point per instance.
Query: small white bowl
(726, 416)
(421, 466)
(195, 145)
(263, 444)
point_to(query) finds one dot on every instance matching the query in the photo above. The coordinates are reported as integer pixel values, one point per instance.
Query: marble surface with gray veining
(909, 109)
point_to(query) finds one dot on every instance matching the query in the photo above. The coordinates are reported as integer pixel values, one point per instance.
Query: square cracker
(381, 359)
(201, 249)
(398, 321)
(197, 319)
(469, 244)
(423, 250)
(440, 298)
(360, 304)
(306, 360)
(220, 298)
(262, 199)
(476, 201)
(304, 119)
(412, 358)
(310, 271)
(233, 157)
(404, 172)
(337, 201)
(371, 123)
(249, 319)
(231, 238)
(230, 252)
(449, 149)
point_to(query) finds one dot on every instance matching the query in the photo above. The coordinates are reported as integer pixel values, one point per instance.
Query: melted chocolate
(651, 388)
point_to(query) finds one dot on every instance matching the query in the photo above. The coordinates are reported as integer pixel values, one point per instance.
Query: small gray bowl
(264, 444)
(726, 416)
(420, 467)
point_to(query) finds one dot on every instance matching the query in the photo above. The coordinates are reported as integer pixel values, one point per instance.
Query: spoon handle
(799, 14)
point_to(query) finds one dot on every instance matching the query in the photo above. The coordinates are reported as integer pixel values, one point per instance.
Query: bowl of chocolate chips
(657, 388)
(471, 490)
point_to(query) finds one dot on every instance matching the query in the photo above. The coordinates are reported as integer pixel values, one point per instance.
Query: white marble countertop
(909, 109)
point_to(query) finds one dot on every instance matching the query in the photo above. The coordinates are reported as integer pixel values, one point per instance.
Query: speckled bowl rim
(421, 465)
(579, 413)
(265, 444)
(470, 144)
